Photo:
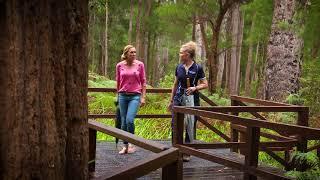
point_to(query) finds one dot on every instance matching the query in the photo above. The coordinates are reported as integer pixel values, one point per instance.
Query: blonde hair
(126, 49)
(190, 47)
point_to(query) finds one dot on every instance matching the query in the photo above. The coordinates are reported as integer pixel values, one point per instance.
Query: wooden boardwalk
(108, 160)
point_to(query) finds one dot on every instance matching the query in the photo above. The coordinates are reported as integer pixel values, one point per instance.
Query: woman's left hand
(142, 101)
(190, 90)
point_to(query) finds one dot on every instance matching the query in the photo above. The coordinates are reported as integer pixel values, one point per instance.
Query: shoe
(186, 158)
(131, 149)
(124, 150)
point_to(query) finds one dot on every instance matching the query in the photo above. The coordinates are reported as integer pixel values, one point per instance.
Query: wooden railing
(245, 137)
(250, 128)
(166, 158)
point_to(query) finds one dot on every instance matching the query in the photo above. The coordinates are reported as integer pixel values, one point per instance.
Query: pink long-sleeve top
(130, 79)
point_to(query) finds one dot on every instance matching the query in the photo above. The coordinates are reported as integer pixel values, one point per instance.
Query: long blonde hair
(190, 47)
(126, 49)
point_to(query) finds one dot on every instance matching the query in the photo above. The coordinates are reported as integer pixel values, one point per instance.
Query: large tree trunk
(43, 89)
(200, 52)
(283, 54)
(235, 50)
(249, 64)
(106, 43)
(138, 29)
(130, 23)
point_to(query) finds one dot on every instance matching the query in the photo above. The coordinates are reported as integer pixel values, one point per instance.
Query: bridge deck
(108, 160)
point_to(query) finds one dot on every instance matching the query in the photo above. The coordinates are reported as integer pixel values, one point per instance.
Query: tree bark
(106, 62)
(130, 23)
(249, 64)
(138, 30)
(283, 54)
(201, 51)
(235, 50)
(43, 133)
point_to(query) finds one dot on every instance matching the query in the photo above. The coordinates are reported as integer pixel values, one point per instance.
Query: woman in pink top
(131, 87)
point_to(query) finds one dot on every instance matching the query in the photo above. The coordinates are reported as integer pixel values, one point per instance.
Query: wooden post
(252, 151)
(234, 133)
(178, 128)
(92, 151)
(303, 117)
(173, 170)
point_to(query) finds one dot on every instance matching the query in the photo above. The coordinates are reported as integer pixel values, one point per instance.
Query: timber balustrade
(166, 158)
(244, 137)
(251, 129)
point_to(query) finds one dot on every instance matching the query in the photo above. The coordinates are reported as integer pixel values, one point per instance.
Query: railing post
(173, 170)
(303, 117)
(252, 151)
(178, 122)
(92, 151)
(234, 133)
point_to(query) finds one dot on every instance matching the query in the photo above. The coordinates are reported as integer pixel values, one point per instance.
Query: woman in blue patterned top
(187, 69)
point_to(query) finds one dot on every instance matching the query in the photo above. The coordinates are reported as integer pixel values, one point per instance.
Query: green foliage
(174, 19)
(294, 99)
(306, 166)
(218, 99)
(310, 91)
(312, 26)
(167, 81)
(284, 26)
(259, 12)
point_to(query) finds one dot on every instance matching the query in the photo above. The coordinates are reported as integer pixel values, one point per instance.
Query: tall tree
(130, 22)
(249, 64)
(284, 53)
(43, 89)
(138, 29)
(237, 26)
(106, 62)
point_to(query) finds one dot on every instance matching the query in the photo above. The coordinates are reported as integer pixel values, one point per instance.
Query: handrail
(258, 101)
(144, 166)
(114, 90)
(111, 116)
(144, 143)
(293, 129)
(253, 108)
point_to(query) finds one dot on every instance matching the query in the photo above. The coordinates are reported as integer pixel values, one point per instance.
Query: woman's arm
(203, 84)
(143, 80)
(143, 96)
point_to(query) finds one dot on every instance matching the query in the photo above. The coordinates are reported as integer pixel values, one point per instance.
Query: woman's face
(132, 54)
(183, 55)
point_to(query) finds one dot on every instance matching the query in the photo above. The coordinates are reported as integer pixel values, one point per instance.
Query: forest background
(265, 49)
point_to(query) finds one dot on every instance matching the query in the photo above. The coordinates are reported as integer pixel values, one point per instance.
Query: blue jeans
(129, 105)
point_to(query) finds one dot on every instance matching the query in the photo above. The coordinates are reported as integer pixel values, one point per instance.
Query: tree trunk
(255, 69)
(249, 64)
(106, 43)
(43, 89)
(130, 23)
(138, 30)
(201, 51)
(235, 50)
(283, 54)
(228, 52)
